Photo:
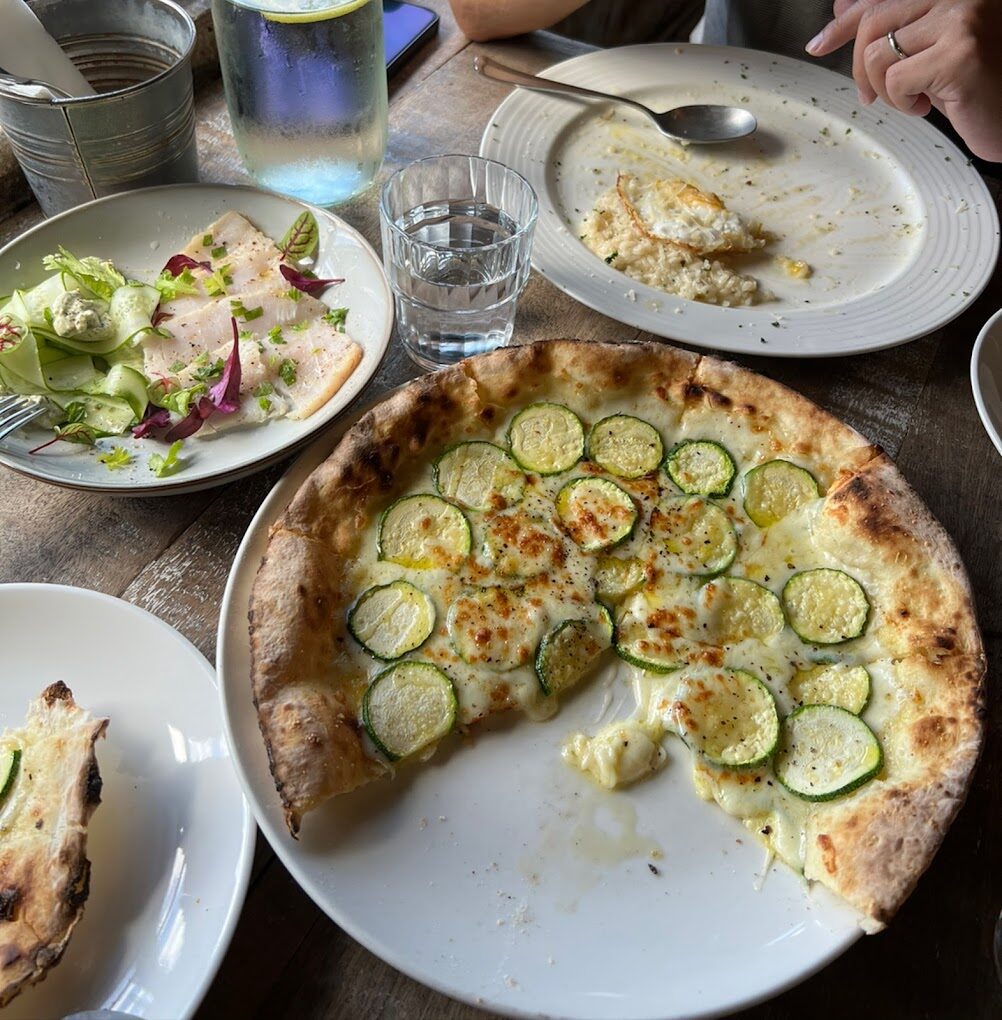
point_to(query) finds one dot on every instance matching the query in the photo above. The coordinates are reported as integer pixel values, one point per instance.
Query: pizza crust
(873, 847)
(873, 520)
(758, 410)
(44, 871)
(870, 517)
(309, 727)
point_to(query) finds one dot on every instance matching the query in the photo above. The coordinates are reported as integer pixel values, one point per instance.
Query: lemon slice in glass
(300, 17)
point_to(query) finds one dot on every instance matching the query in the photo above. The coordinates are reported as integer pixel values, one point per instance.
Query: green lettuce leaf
(98, 276)
(162, 465)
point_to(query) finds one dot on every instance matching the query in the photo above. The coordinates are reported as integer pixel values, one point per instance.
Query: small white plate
(172, 841)
(900, 230)
(986, 377)
(501, 877)
(139, 231)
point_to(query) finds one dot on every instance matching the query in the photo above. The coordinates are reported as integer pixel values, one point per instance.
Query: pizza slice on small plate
(50, 785)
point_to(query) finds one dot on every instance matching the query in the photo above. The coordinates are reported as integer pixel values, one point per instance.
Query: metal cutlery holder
(138, 130)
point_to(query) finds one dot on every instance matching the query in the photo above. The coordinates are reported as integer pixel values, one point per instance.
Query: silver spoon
(703, 123)
(14, 83)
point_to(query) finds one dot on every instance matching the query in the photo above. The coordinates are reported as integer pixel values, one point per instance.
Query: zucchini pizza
(793, 621)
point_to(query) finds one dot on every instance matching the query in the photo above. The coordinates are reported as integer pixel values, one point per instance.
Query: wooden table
(172, 556)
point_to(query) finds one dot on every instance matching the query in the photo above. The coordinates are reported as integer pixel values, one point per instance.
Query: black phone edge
(428, 32)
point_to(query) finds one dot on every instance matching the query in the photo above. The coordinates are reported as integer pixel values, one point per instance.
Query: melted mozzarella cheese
(618, 754)
(515, 548)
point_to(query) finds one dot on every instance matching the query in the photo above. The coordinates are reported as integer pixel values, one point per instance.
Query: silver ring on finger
(895, 48)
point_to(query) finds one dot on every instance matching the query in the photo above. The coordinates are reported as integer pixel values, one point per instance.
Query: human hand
(949, 64)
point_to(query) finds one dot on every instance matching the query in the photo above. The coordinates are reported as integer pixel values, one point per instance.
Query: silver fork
(16, 412)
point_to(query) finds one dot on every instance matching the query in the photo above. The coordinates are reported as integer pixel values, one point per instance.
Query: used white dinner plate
(172, 841)
(139, 231)
(986, 377)
(501, 877)
(900, 231)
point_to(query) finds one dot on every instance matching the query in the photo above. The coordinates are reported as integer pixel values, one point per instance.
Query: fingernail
(815, 44)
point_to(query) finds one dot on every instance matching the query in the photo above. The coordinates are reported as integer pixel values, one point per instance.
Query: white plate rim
(255, 536)
(708, 326)
(353, 387)
(979, 397)
(249, 826)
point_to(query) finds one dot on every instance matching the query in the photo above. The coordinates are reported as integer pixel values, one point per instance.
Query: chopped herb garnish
(247, 314)
(218, 252)
(275, 335)
(245, 334)
(217, 281)
(177, 366)
(609, 258)
(299, 327)
(207, 241)
(179, 400)
(209, 372)
(162, 465)
(287, 370)
(117, 457)
(292, 294)
(172, 287)
(263, 392)
(336, 317)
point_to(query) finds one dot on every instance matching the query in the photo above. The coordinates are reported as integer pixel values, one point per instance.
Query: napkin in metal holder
(138, 130)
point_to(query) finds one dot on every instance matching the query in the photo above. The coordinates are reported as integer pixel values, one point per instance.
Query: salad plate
(172, 841)
(899, 231)
(139, 232)
(543, 895)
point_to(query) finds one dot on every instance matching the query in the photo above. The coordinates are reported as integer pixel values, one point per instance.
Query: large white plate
(901, 232)
(172, 842)
(503, 878)
(139, 231)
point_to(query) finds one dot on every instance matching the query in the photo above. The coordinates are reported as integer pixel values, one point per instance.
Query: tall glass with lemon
(306, 89)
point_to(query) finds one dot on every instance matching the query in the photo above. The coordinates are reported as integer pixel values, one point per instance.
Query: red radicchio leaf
(177, 264)
(307, 284)
(192, 422)
(156, 418)
(224, 397)
(226, 393)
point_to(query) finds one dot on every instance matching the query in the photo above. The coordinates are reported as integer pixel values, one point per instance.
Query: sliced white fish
(249, 260)
(324, 358)
(208, 327)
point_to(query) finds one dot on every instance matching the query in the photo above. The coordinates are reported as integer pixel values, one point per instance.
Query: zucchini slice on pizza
(49, 787)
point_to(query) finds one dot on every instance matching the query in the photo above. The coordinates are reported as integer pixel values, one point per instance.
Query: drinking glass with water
(306, 89)
(457, 231)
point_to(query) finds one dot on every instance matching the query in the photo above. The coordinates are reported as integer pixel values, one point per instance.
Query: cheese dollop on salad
(232, 332)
